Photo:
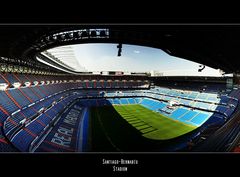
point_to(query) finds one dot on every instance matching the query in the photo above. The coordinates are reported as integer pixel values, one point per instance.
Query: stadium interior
(48, 106)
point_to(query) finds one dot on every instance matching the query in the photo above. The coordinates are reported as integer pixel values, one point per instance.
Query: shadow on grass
(112, 133)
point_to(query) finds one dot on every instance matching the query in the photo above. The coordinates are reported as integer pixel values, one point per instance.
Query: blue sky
(103, 57)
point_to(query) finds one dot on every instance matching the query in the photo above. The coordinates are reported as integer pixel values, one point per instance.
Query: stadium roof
(65, 56)
(216, 46)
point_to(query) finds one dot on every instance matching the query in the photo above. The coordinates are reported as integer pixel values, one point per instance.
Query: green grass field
(125, 127)
(152, 125)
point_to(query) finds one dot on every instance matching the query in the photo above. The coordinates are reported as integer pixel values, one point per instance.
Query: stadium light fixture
(93, 33)
(77, 34)
(102, 33)
(84, 34)
(47, 38)
(71, 35)
(68, 36)
(54, 37)
(63, 36)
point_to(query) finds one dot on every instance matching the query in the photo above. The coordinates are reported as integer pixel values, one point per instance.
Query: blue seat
(22, 140)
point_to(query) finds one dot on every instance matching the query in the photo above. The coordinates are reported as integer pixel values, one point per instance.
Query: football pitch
(124, 125)
(152, 125)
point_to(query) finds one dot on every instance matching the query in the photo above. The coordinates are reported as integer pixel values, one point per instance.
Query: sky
(134, 58)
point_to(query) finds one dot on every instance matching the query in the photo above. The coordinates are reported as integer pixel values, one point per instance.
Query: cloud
(136, 51)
